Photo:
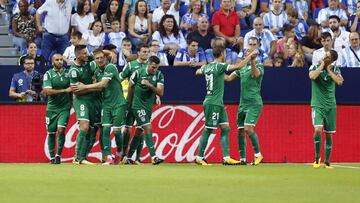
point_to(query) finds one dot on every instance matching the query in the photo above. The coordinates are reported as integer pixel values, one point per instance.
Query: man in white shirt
(340, 37)
(56, 25)
(326, 41)
(351, 54)
(166, 8)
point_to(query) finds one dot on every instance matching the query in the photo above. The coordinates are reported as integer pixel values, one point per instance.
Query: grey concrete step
(10, 51)
(4, 29)
(9, 60)
(6, 41)
(4, 18)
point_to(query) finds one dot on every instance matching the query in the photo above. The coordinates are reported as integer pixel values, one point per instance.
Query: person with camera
(56, 86)
(21, 88)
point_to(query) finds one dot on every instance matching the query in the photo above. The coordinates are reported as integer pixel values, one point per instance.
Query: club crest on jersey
(154, 78)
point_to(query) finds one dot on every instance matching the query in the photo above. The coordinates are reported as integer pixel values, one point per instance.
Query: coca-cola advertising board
(285, 134)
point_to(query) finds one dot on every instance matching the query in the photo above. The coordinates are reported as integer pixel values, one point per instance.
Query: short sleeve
(134, 77)
(109, 72)
(312, 68)
(126, 71)
(13, 83)
(160, 78)
(47, 81)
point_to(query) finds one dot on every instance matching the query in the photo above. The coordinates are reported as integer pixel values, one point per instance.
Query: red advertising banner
(285, 134)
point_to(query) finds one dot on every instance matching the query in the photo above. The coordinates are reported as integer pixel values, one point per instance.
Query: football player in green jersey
(129, 69)
(56, 85)
(83, 71)
(144, 84)
(324, 76)
(215, 114)
(250, 104)
(114, 104)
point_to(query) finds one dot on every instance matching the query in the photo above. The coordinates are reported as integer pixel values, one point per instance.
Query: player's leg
(139, 150)
(135, 142)
(251, 118)
(317, 120)
(211, 123)
(329, 129)
(241, 136)
(118, 118)
(61, 126)
(106, 121)
(126, 134)
(50, 120)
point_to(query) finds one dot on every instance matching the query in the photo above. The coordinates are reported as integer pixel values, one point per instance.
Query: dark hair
(97, 51)
(334, 17)
(334, 55)
(154, 59)
(28, 57)
(138, 48)
(80, 7)
(287, 27)
(97, 21)
(217, 51)
(136, 12)
(191, 40)
(30, 42)
(79, 48)
(325, 35)
(26, 4)
(109, 16)
(109, 47)
(254, 38)
(162, 30)
(126, 39)
(77, 34)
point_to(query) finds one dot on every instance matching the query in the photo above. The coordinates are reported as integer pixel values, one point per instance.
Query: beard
(334, 29)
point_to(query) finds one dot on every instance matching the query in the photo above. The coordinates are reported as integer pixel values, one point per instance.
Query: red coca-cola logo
(176, 134)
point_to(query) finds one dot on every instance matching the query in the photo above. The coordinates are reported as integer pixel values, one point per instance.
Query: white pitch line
(342, 166)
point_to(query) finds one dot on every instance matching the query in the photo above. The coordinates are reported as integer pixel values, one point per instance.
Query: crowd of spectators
(288, 33)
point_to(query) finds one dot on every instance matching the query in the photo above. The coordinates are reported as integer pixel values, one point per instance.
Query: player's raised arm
(242, 63)
(315, 72)
(336, 77)
(231, 77)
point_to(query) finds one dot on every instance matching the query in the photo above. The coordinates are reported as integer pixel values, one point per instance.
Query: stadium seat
(316, 13)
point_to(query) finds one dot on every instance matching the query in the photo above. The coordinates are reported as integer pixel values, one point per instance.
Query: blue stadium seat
(316, 13)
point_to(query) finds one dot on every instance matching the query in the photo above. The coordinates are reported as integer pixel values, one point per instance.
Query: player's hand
(158, 100)
(79, 87)
(145, 82)
(32, 93)
(22, 94)
(328, 68)
(68, 90)
(254, 54)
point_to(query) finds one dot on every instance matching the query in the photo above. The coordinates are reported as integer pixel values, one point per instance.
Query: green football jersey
(84, 74)
(250, 87)
(112, 93)
(323, 88)
(57, 80)
(130, 68)
(214, 76)
(143, 97)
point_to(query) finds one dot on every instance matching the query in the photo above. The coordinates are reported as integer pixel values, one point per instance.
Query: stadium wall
(285, 134)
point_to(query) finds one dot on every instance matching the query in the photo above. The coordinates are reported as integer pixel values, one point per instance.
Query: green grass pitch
(185, 183)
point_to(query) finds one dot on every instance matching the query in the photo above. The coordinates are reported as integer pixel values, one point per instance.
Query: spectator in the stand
(116, 36)
(83, 18)
(69, 54)
(253, 44)
(202, 33)
(192, 56)
(169, 37)
(190, 19)
(282, 45)
(245, 9)
(16, 7)
(354, 22)
(95, 37)
(301, 27)
(311, 42)
(32, 51)
(23, 26)
(140, 24)
(295, 56)
(275, 19)
(125, 54)
(113, 12)
(56, 26)
(20, 88)
(128, 9)
(340, 37)
(351, 54)
(302, 8)
(265, 36)
(226, 24)
(166, 8)
(327, 42)
(333, 9)
(349, 6)
(278, 62)
(268, 5)
(155, 51)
